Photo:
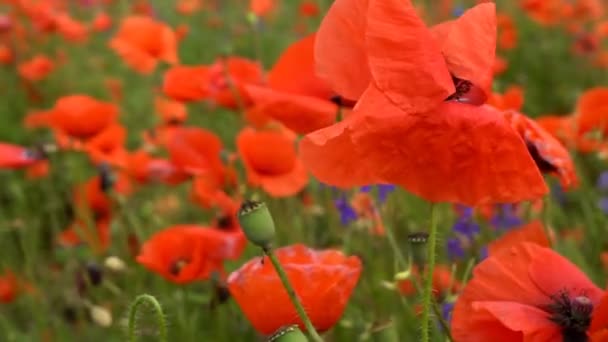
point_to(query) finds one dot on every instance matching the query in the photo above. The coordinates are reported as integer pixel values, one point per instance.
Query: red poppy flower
(9, 287)
(294, 95)
(532, 232)
(308, 9)
(108, 146)
(323, 280)
(271, 161)
(525, 293)
(431, 134)
(97, 237)
(102, 22)
(36, 69)
(548, 153)
(17, 157)
(78, 116)
(262, 7)
(186, 253)
(590, 116)
(141, 42)
(6, 54)
(221, 82)
(90, 196)
(197, 152)
(71, 29)
(563, 129)
(146, 169)
(171, 112)
(207, 193)
(188, 7)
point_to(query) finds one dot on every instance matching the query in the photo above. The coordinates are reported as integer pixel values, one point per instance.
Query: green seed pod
(288, 334)
(256, 221)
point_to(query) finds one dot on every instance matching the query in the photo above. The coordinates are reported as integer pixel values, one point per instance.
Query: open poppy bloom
(591, 120)
(170, 112)
(17, 157)
(78, 117)
(102, 22)
(323, 280)
(548, 153)
(197, 152)
(108, 146)
(419, 121)
(36, 69)
(97, 235)
(186, 253)
(294, 96)
(142, 41)
(9, 287)
(271, 161)
(512, 98)
(146, 169)
(526, 293)
(221, 82)
(262, 7)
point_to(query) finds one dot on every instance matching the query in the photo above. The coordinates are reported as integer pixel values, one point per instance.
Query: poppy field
(304, 170)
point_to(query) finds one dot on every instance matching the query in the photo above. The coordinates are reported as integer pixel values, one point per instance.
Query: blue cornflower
(455, 248)
(506, 218)
(347, 212)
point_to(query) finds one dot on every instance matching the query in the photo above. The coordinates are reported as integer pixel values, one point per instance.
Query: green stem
(310, 329)
(395, 247)
(158, 310)
(428, 281)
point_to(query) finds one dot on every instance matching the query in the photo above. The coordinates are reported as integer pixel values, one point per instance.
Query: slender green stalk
(158, 310)
(310, 329)
(428, 281)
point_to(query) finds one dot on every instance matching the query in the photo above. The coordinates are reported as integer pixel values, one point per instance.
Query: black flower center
(177, 266)
(467, 92)
(572, 314)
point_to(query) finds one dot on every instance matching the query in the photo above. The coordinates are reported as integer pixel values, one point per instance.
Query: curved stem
(428, 281)
(310, 329)
(158, 310)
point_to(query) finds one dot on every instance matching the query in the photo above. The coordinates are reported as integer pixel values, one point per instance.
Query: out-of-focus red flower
(197, 152)
(142, 41)
(526, 293)
(262, 7)
(308, 8)
(424, 135)
(590, 116)
(188, 7)
(6, 54)
(9, 287)
(181, 32)
(146, 169)
(271, 161)
(36, 69)
(70, 29)
(507, 32)
(102, 22)
(96, 236)
(322, 280)
(444, 283)
(222, 82)
(78, 116)
(108, 146)
(17, 157)
(171, 112)
(512, 98)
(187, 253)
(294, 96)
(548, 153)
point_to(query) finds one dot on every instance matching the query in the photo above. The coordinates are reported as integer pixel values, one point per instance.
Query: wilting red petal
(340, 48)
(405, 61)
(469, 45)
(548, 153)
(16, 157)
(302, 114)
(186, 83)
(323, 280)
(294, 71)
(532, 232)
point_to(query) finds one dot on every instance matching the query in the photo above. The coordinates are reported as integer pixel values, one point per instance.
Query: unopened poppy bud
(288, 334)
(106, 177)
(115, 264)
(100, 315)
(257, 224)
(94, 273)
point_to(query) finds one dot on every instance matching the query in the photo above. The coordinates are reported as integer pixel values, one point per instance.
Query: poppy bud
(106, 178)
(288, 334)
(256, 222)
(100, 315)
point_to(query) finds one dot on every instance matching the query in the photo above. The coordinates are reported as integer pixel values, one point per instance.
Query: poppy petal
(340, 55)
(458, 153)
(302, 114)
(405, 61)
(469, 45)
(532, 232)
(186, 83)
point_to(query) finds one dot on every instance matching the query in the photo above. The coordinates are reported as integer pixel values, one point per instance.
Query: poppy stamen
(573, 315)
(466, 92)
